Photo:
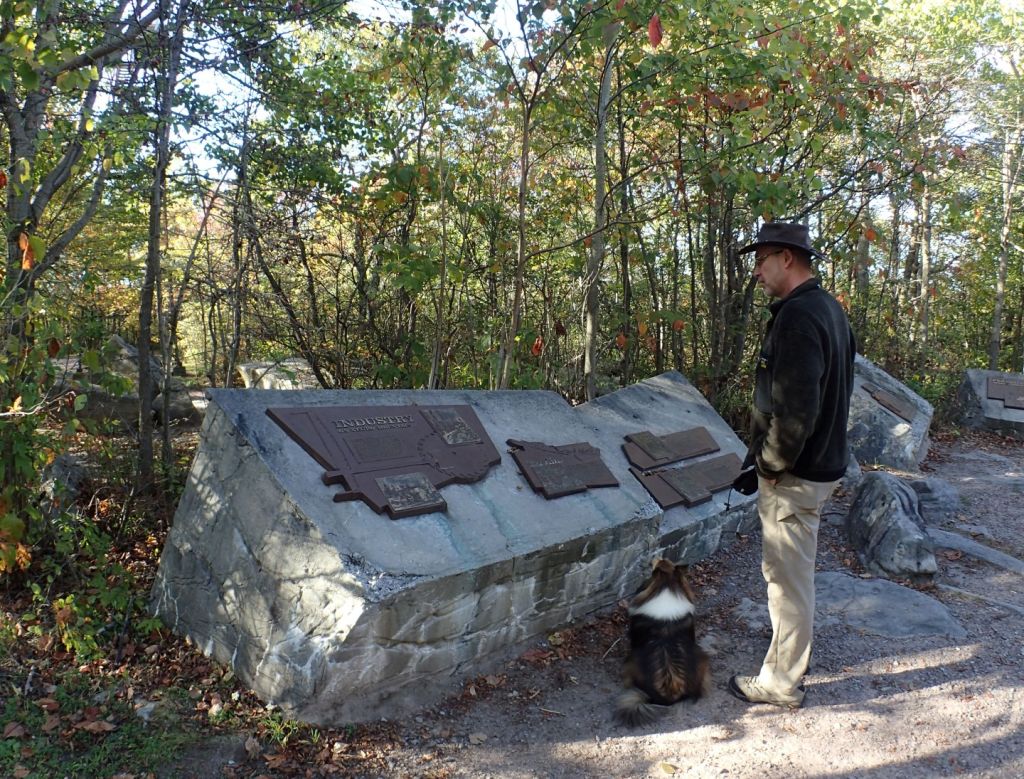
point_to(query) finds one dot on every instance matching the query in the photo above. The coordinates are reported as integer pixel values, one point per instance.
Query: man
(798, 447)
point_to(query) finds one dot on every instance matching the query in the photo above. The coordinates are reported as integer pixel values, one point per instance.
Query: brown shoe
(749, 690)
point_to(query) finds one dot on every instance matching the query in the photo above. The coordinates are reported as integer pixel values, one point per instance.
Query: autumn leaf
(21, 772)
(48, 704)
(14, 730)
(620, 5)
(51, 723)
(538, 347)
(23, 243)
(53, 348)
(641, 327)
(3, 179)
(678, 325)
(870, 234)
(654, 31)
(490, 44)
(621, 340)
(96, 726)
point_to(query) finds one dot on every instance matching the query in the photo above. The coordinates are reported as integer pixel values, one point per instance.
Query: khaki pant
(790, 514)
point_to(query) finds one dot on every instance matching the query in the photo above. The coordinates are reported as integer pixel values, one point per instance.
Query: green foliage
(100, 737)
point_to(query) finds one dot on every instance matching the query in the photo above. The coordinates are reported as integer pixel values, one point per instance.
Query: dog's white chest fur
(666, 605)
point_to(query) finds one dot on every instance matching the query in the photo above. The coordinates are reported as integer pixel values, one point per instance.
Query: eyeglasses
(759, 261)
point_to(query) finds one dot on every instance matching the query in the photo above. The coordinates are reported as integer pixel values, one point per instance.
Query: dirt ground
(875, 707)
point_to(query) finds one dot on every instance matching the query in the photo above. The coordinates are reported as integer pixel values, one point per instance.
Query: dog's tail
(634, 708)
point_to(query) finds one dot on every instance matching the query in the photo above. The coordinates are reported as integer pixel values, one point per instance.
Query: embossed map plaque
(647, 451)
(555, 471)
(1008, 389)
(689, 485)
(394, 458)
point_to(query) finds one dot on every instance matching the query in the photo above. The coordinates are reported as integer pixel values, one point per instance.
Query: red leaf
(620, 5)
(538, 347)
(870, 234)
(654, 31)
(3, 179)
(678, 325)
(621, 340)
(863, 77)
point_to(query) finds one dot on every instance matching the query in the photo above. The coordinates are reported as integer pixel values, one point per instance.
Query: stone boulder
(291, 374)
(62, 483)
(938, 500)
(885, 529)
(338, 614)
(976, 410)
(180, 408)
(888, 421)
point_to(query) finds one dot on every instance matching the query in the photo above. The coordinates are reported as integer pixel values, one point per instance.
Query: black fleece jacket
(802, 388)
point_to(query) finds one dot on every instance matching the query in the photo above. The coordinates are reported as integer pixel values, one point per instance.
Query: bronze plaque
(901, 407)
(410, 493)
(555, 471)
(394, 458)
(689, 485)
(648, 451)
(1008, 389)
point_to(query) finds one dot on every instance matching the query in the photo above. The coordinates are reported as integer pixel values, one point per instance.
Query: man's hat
(788, 234)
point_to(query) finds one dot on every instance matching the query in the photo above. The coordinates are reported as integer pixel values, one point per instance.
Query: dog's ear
(663, 565)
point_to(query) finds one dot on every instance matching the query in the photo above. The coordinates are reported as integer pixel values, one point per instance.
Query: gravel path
(876, 707)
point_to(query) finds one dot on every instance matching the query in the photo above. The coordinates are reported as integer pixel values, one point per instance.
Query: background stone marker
(982, 405)
(337, 614)
(888, 421)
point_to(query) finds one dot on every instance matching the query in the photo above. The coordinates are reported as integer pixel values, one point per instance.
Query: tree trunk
(597, 246)
(169, 51)
(1010, 171)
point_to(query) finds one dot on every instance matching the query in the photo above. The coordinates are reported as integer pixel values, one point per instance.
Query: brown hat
(788, 234)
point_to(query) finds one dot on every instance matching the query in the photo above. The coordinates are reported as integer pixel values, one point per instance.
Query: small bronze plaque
(689, 485)
(648, 451)
(901, 407)
(388, 456)
(652, 445)
(555, 471)
(451, 427)
(410, 493)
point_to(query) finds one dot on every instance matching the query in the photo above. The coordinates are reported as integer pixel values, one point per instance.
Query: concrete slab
(980, 412)
(339, 614)
(888, 421)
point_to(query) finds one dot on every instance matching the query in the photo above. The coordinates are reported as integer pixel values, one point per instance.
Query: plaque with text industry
(394, 458)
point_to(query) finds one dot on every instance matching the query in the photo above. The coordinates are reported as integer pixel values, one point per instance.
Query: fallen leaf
(48, 704)
(51, 723)
(667, 768)
(477, 738)
(96, 726)
(252, 748)
(20, 771)
(493, 681)
(14, 730)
